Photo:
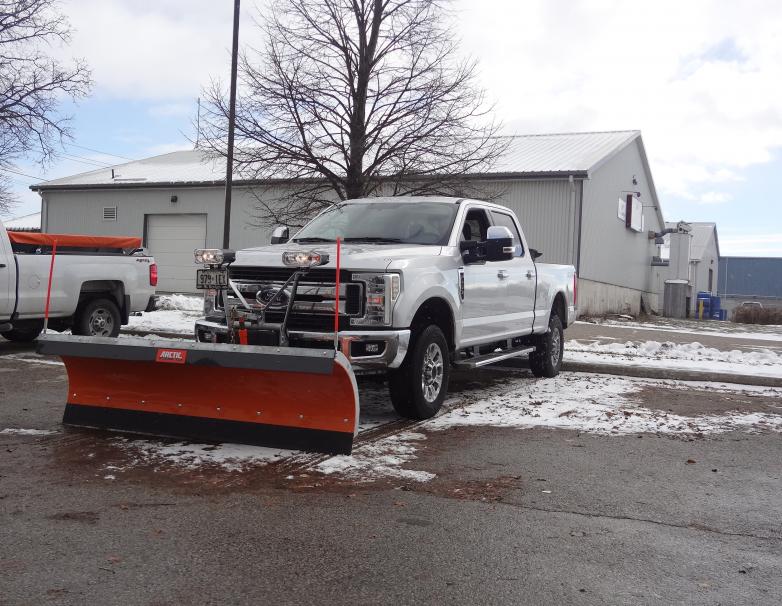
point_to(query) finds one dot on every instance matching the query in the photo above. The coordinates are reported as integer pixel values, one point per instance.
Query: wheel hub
(432, 375)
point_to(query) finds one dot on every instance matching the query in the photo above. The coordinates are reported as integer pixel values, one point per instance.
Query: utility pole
(229, 161)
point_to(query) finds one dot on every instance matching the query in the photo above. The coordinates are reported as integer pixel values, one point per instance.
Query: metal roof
(701, 234)
(27, 222)
(562, 153)
(551, 155)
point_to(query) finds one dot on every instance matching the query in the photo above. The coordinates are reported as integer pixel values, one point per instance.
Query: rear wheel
(546, 360)
(419, 386)
(24, 333)
(97, 318)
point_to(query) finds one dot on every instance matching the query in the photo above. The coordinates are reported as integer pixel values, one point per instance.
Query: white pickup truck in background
(97, 283)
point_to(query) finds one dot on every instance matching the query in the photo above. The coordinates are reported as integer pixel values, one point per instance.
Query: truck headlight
(382, 292)
(304, 259)
(213, 256)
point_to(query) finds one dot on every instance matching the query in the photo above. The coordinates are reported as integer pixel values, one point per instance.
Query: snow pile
(383, 458)
(599, 404)
(165, 321)
(684, 356)
(180, 303)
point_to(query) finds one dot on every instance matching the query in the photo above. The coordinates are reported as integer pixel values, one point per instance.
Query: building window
(109, 213)
(711, 280)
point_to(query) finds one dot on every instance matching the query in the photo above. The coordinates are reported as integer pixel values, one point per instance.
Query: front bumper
(370, 350)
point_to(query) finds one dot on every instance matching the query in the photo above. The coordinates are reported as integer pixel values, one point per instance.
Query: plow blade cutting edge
(281, 397)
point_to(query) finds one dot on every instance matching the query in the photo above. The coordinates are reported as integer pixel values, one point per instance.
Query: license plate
(212, 278)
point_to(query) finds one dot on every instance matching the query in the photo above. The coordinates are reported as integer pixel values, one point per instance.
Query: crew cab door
(485, 306)
(520, 278)
(7, 277)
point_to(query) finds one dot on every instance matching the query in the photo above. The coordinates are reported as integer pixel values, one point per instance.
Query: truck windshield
(382, 223)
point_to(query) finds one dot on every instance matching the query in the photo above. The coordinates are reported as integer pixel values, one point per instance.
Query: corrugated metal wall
(750, 276)
(548, 211)
(82, 212)
(611, 253)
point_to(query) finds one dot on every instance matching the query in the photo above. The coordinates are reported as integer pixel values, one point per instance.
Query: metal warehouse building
(750, 279)
(586, 199)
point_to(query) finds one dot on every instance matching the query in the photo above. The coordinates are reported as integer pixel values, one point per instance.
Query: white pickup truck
(97, 283)
(426, 284)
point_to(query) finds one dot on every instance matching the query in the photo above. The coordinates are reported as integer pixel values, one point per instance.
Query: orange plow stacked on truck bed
(281, 397)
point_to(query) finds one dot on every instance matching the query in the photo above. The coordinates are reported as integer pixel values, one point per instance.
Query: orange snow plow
(282, 397)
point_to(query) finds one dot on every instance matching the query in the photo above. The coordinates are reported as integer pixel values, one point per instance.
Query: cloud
(166, 49)
(168, 110)
(714, 197)
(755, 245)
(700, 80)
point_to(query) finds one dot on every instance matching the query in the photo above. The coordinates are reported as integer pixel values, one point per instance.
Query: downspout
(580, 218)
(44, 213)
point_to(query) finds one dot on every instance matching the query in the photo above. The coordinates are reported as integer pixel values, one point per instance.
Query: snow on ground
(602, 404)
(231, 457)
(709, 328)
(382, 458)
(27, 432)
(174, 314)
(682, 356)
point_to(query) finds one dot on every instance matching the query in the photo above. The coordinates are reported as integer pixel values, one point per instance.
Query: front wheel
(97, 318)
(546, 360)
(419, 386)
(24, 333)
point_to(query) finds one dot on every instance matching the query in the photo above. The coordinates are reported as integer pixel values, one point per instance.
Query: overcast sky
(701, 79)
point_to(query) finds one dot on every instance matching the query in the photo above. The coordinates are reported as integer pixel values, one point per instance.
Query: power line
(85, 160)
(18, 172)
(97, 151)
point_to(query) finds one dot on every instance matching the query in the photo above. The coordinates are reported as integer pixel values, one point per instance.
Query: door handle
(502, 274)
(530, 275)
(2, 265)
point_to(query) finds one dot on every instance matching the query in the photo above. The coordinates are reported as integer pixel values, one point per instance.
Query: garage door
(172, 239)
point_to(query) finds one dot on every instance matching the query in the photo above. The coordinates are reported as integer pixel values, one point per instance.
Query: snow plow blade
(281, 397)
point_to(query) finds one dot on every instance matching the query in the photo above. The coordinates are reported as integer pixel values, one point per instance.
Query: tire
(416, 392)
(97, 318)
(546, 360)
(24, 333)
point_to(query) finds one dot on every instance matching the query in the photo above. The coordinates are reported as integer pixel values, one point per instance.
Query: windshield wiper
(374, 240)
(313, 239)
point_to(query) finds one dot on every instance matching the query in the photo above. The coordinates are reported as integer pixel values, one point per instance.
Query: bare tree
(32, 84)
(353, 98)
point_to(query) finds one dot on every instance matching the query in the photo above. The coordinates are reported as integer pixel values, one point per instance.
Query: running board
(491, 358)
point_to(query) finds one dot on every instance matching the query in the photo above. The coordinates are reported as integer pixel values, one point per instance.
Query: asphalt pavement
(533, 516)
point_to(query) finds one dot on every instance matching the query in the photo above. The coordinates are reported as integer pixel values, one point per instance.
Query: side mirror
(499, 244)
(470, 251)
(535, 254)
(280, 235)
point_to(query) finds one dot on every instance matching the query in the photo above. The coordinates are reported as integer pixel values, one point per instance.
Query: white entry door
(172, 240)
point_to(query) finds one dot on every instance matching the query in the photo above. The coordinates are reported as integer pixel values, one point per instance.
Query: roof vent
(109, 213)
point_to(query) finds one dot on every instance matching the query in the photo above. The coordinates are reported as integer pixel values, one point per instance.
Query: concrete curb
(668, 373)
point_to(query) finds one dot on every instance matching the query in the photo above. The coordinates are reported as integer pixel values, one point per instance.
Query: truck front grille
(313, 308)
